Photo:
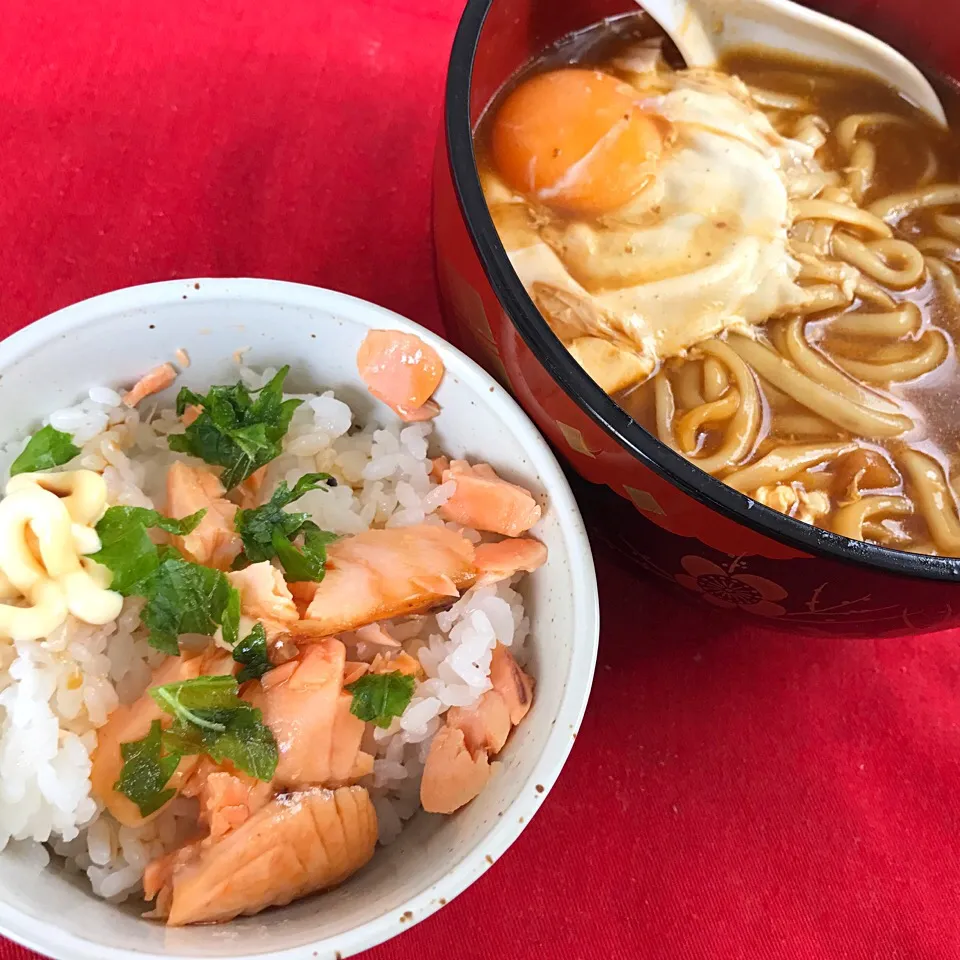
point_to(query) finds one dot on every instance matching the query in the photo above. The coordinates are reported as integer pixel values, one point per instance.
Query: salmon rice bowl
(246, 636)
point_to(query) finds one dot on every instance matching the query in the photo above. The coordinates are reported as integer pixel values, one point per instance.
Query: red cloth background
(734, 792)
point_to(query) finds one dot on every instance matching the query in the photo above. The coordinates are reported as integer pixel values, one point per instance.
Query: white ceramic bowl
(112, 339)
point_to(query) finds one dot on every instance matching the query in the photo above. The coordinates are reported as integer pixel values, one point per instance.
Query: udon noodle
(828, 388)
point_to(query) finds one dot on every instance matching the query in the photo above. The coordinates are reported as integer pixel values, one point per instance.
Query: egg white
(703, 248)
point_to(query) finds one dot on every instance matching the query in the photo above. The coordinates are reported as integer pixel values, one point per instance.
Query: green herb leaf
(379, 697)
(251, 652)
(248, 744)
(127, 550)
(199, 700)
(211, 718)
(230, 621)
(269, 531)
(47, 448)
(146, 771)
(258, 526)
(184, 597)
(306, 562)
(238, 429)
(308, 482)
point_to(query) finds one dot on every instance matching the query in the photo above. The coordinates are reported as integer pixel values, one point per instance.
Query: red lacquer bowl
(670, 518)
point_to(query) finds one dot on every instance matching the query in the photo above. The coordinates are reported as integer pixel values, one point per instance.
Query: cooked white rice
(54, 694)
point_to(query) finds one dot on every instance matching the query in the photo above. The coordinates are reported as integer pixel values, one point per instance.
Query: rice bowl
(307, 315)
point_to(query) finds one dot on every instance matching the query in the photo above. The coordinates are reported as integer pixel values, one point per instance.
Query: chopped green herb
(251, 652)
(210, 717)
(308, 561)
(230, 620)
(238, 429)
(257, 526)
(127, 550)
(379, 697)
(146, 771)
(269, 531)
(166, 552)
(184, 597)
(247, 743)
(199, 701)
(308, 482)
(47, 448)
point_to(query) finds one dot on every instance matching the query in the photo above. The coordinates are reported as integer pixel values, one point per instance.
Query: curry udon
(760, 264)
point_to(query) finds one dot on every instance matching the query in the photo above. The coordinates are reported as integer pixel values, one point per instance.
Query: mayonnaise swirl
(47, 523)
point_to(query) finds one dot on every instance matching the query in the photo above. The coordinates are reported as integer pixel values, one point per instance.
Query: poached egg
(649, 215)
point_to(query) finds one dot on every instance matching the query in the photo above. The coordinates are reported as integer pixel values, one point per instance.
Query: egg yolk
(577, 140)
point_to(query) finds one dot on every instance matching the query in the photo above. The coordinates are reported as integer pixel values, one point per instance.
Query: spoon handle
(704, 29)
(685, 23)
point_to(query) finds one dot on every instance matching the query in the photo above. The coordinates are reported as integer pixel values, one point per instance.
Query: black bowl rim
(549, 350)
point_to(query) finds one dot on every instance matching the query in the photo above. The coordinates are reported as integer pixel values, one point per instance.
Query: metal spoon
(704, 29)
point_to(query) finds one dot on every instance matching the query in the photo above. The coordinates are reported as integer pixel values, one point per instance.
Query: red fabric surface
(734, 792)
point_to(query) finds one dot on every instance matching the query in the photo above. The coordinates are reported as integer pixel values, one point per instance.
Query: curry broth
(904, 152)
